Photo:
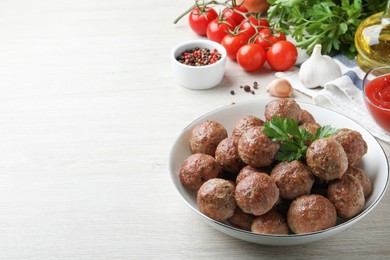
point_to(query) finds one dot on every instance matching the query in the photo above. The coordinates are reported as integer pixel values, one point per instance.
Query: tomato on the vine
(248, 25)
(251, 57)
(266, 38)
(233, 43)
(219, 28)
(229, 12)
(199, 18)
(282, 55)
(254, 5)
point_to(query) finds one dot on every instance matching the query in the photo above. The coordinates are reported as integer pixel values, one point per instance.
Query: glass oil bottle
(372, 40)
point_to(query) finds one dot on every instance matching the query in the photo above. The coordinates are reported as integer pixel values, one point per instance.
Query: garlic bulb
(280, 88)
(318, 69)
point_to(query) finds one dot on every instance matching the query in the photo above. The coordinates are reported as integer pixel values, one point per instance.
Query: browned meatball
(245, 123)
(256, 194)
(327, 159)
(197, 169)
(347, 196)
(353, 143)
(293, 179)
(206, 136)
(362, 177)
(247, 170)
(227, 155)
(215, 199)
(310, 213)
(241, 220)
(257, 149)
(271, 222)
(284, 108)
(306, 117)
(310, 127)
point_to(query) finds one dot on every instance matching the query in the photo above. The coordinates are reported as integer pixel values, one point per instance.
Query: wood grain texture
(89, 110)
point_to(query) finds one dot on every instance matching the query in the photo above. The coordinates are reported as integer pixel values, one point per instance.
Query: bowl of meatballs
(242, 181)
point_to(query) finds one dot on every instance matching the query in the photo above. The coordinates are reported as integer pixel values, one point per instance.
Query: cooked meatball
(327, 159)
(241, 220)
(362, 177)
(282, 107)
(347, 196)
(215, 199)
(293, 179)
(247, 170)
(310, 127)
(310, 213)
(256, 194)
(227, 155)
(206, 136)
(245, 123)
(272, 222)
(306, 117)
(353, 143)
(197, 169)
(257, 149)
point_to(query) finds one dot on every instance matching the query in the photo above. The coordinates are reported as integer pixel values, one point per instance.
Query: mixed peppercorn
(248, 88)
(199, 57)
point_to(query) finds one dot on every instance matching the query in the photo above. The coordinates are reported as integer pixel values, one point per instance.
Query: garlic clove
(318, 69)
(280, 88)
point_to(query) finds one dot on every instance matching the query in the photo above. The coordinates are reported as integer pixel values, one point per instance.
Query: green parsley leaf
(325, 131)
(331, 23)
(293, 141)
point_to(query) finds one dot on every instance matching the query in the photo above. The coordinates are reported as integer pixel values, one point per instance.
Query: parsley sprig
(292, 139)
(331, 23)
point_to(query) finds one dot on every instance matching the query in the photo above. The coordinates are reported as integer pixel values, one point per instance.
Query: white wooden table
(89, 110)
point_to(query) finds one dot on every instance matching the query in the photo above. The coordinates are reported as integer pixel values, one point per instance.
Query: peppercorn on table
(89, 112)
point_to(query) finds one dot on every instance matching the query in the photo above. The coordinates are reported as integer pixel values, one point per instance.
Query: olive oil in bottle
(372, 40)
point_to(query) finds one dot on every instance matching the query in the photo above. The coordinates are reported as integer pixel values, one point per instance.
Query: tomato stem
(185, 13)
(203, 5)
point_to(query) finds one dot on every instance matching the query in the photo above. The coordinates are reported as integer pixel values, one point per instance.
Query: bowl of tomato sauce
(376, 89)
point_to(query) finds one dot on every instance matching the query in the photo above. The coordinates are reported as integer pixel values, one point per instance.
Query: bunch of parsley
(331, 23)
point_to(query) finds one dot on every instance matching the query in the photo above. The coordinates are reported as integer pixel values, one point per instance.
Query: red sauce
(378, 92)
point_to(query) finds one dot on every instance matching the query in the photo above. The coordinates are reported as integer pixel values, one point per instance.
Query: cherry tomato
(256, 6)
(229, 12)
(219, 28)
(233, 43)
(248, 25)
(251, 57)
(199, 18)
(266, 38)
(282, 55)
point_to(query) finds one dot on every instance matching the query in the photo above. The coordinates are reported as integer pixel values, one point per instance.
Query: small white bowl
(198, 77)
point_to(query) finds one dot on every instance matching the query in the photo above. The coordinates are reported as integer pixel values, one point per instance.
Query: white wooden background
(89, 110)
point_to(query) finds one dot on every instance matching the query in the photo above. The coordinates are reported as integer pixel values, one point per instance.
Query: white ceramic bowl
(374, 163)
(198, 77)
